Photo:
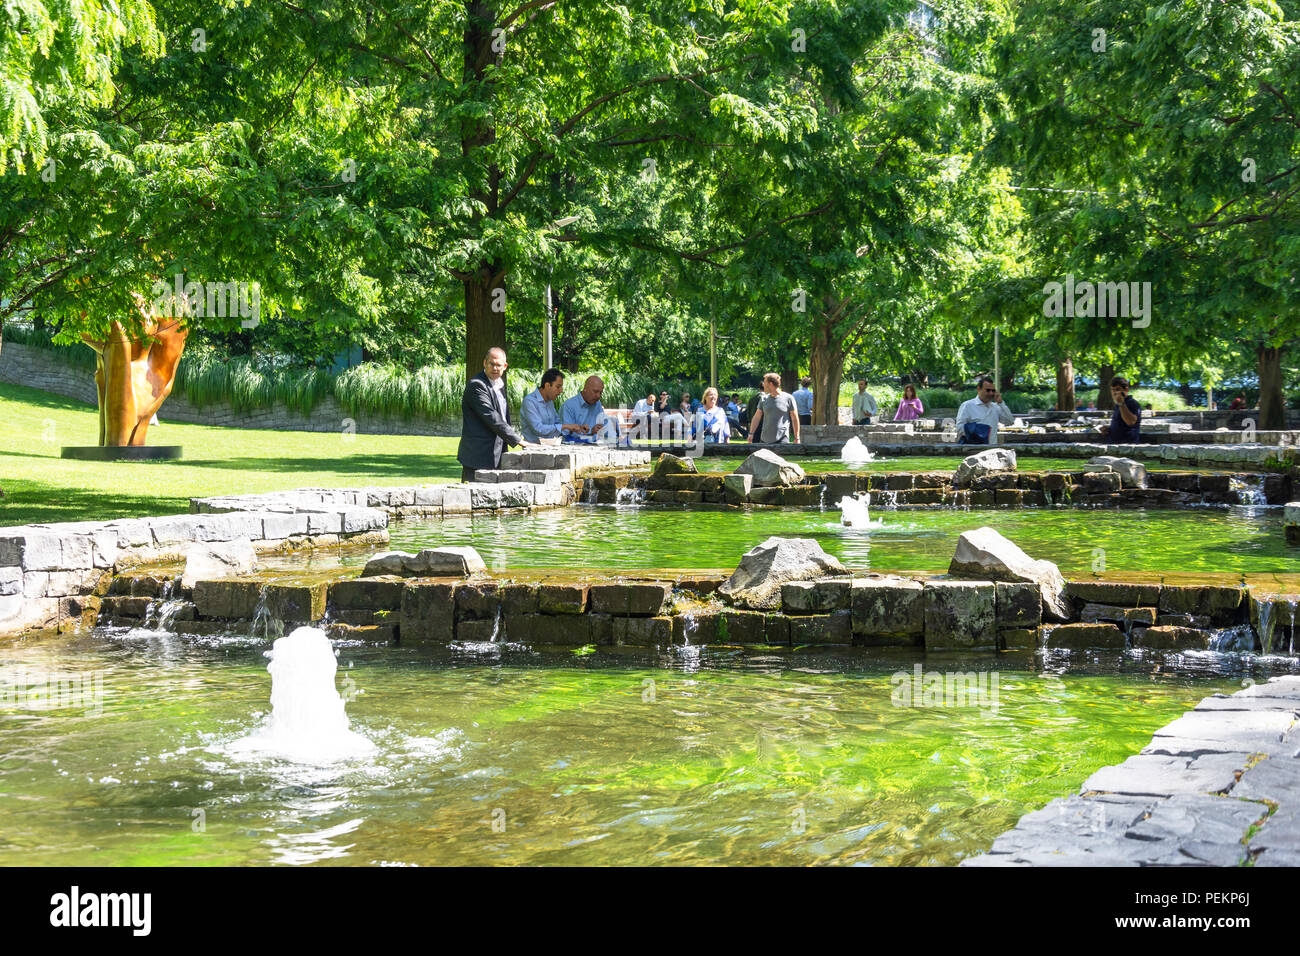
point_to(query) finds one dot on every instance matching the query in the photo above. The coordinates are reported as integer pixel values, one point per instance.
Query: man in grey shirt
(777, 418)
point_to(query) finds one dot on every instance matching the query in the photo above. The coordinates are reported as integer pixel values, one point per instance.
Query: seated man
(585, 409)
(541, 420)
(1126, 419)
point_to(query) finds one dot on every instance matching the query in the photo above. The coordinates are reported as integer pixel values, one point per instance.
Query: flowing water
(700, 756)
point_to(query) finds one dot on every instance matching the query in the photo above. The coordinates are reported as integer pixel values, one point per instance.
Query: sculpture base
(122, 452)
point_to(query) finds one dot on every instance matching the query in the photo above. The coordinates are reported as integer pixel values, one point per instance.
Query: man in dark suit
(485, 427)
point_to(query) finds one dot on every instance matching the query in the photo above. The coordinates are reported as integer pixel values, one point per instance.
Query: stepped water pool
(1205, 543)
(816, 465)
(116, 749)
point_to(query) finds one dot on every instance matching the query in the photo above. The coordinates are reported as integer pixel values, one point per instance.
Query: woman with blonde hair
(712, 419)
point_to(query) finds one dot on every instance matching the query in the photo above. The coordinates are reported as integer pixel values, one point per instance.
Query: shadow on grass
(415, 467)
(38, 502)
(34, 396)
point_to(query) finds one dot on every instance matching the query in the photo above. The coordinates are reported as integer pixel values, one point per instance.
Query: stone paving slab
(1225, 791)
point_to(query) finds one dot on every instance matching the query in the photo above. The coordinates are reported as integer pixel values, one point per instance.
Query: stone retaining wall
(1220, 786)
(919, 489)
(55, 574)
(937, 614)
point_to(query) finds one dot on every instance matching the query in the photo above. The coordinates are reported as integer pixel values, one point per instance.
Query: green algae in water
(1211, 541)
(717, 757)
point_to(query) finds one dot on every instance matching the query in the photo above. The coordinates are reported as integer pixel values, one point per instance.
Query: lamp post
(550, 306)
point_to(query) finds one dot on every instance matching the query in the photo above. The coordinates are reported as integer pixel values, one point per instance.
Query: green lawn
(40, 486)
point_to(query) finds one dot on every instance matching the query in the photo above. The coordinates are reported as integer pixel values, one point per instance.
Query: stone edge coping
(1219, 786)
(1279, 455)
(44, 564)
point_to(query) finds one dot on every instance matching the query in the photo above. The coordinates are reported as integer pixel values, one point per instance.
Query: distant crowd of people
(772, 416)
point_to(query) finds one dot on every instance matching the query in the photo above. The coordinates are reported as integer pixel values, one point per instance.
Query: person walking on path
(777, 418)
(864, 405)
(910, 408)
(979, 417)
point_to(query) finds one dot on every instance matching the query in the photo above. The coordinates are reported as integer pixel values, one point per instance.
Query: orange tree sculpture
(134, 374)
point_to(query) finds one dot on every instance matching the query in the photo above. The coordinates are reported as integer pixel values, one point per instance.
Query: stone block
(742, 627)
(295, 603)
(479, 601)
(696, 628)
(562, 598)
(1126, 617)
(367, 594)
(1114, 593)
(641, 599)
(1085, 637)
(1224, 605)
(737, 487)
(836, 628)
(428, 613)
(1019, 605)
(1019, 638)
(887, 608)
(568, 630)
(324, 522)
(644, 631)
(814, 597)
(456, 499)
(519, 599)
(960, 615)
(1172, 638)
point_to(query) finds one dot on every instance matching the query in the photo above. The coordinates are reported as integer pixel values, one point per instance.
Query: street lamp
(546, 334)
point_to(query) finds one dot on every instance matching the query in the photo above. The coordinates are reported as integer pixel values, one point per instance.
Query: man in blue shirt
(803, 401)
(541, 420)
(585, 408)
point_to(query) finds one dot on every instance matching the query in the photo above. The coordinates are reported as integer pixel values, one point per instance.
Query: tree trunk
(1185, 390)
(789, 379)
(827, 371)
(1272, 405)
(569, 348)
(1104, 400)
(1065, 385)
(1008, 380)
(485, 327)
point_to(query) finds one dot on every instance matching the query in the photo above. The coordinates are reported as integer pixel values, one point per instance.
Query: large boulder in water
(756, 582)
(672, 465)
(987, 462)
(985, 554)
(449, 561)
(218, 559)
(1132, 474)
(770, 470)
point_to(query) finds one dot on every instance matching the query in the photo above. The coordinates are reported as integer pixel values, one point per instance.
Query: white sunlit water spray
(308, 722)
(856, 512)
(855, 453)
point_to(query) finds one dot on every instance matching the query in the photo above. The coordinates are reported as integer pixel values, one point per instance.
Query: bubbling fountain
(308, 722)
(856, 512)
(855, 453)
